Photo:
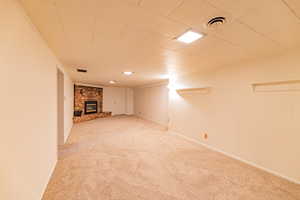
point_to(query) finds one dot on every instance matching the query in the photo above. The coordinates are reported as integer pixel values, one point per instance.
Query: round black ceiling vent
(216, 21)
(81, 70)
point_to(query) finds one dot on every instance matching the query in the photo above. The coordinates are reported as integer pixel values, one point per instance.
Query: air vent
(216, 21)
(81, 70)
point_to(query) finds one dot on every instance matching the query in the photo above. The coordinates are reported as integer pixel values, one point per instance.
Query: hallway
(127, 158)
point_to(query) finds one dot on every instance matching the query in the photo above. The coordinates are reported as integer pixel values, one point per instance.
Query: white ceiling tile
(129, 2)
(270, 16)
(294, 5)
(243, 36)
(115, 35)
(162, 25)
(236, 7)
(77, 22)
(287, 36)
(196, 13)
(161, 7)
(138, 17)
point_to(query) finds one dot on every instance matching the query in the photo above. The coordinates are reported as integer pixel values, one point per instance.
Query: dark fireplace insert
(90, 107)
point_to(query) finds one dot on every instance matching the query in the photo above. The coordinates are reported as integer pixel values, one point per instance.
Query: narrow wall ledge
(204, 90)
(277, 86)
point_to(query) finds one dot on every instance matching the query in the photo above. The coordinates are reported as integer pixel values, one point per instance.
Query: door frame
(60, 108)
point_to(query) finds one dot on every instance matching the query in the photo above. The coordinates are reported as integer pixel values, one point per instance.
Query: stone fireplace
(88, 103)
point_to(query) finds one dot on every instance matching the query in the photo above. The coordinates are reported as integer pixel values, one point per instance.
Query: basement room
(150, 100)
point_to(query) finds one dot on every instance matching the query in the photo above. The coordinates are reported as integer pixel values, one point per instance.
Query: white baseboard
(236, 158)
(69, 133)
(49, 177)
(159, 123)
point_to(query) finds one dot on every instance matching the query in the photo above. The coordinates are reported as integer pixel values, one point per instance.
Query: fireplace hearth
(90, 107)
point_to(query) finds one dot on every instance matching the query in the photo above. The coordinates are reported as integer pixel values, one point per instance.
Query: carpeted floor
(126, 158)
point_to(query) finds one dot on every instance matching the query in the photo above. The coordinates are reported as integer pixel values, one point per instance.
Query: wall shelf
(205, 90)
(278, 86)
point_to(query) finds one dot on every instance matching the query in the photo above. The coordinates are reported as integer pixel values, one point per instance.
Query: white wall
(114, 100)
(129, 101)
(151, 103)
(28, 147)
(118, 100)
(260, 127)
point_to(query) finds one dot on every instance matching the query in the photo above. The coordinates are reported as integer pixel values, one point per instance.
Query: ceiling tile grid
(110, 36)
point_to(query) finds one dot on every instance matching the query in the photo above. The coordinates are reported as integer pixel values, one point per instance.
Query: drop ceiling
(111, 36)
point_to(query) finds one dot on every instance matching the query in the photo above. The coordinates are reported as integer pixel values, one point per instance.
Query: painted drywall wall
(115, 99)
(261, 127)
(129, 101)
(118, 100)
(151, 103)
(28, 145)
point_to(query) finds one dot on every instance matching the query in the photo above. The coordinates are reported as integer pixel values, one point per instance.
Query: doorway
(60, 109)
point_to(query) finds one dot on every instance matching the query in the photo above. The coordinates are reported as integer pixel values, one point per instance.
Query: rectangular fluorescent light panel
(189, 37)
(128, 73)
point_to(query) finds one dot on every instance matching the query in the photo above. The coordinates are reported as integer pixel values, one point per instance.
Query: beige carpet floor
(126, 158)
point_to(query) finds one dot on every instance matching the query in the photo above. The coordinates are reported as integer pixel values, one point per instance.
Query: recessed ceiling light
(189, 37)
(128, 73)
(112, 82)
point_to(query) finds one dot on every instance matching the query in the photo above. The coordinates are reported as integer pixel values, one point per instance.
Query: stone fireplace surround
(84, 94)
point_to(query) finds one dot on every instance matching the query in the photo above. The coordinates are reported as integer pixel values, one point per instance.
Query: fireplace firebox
(90, 107)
